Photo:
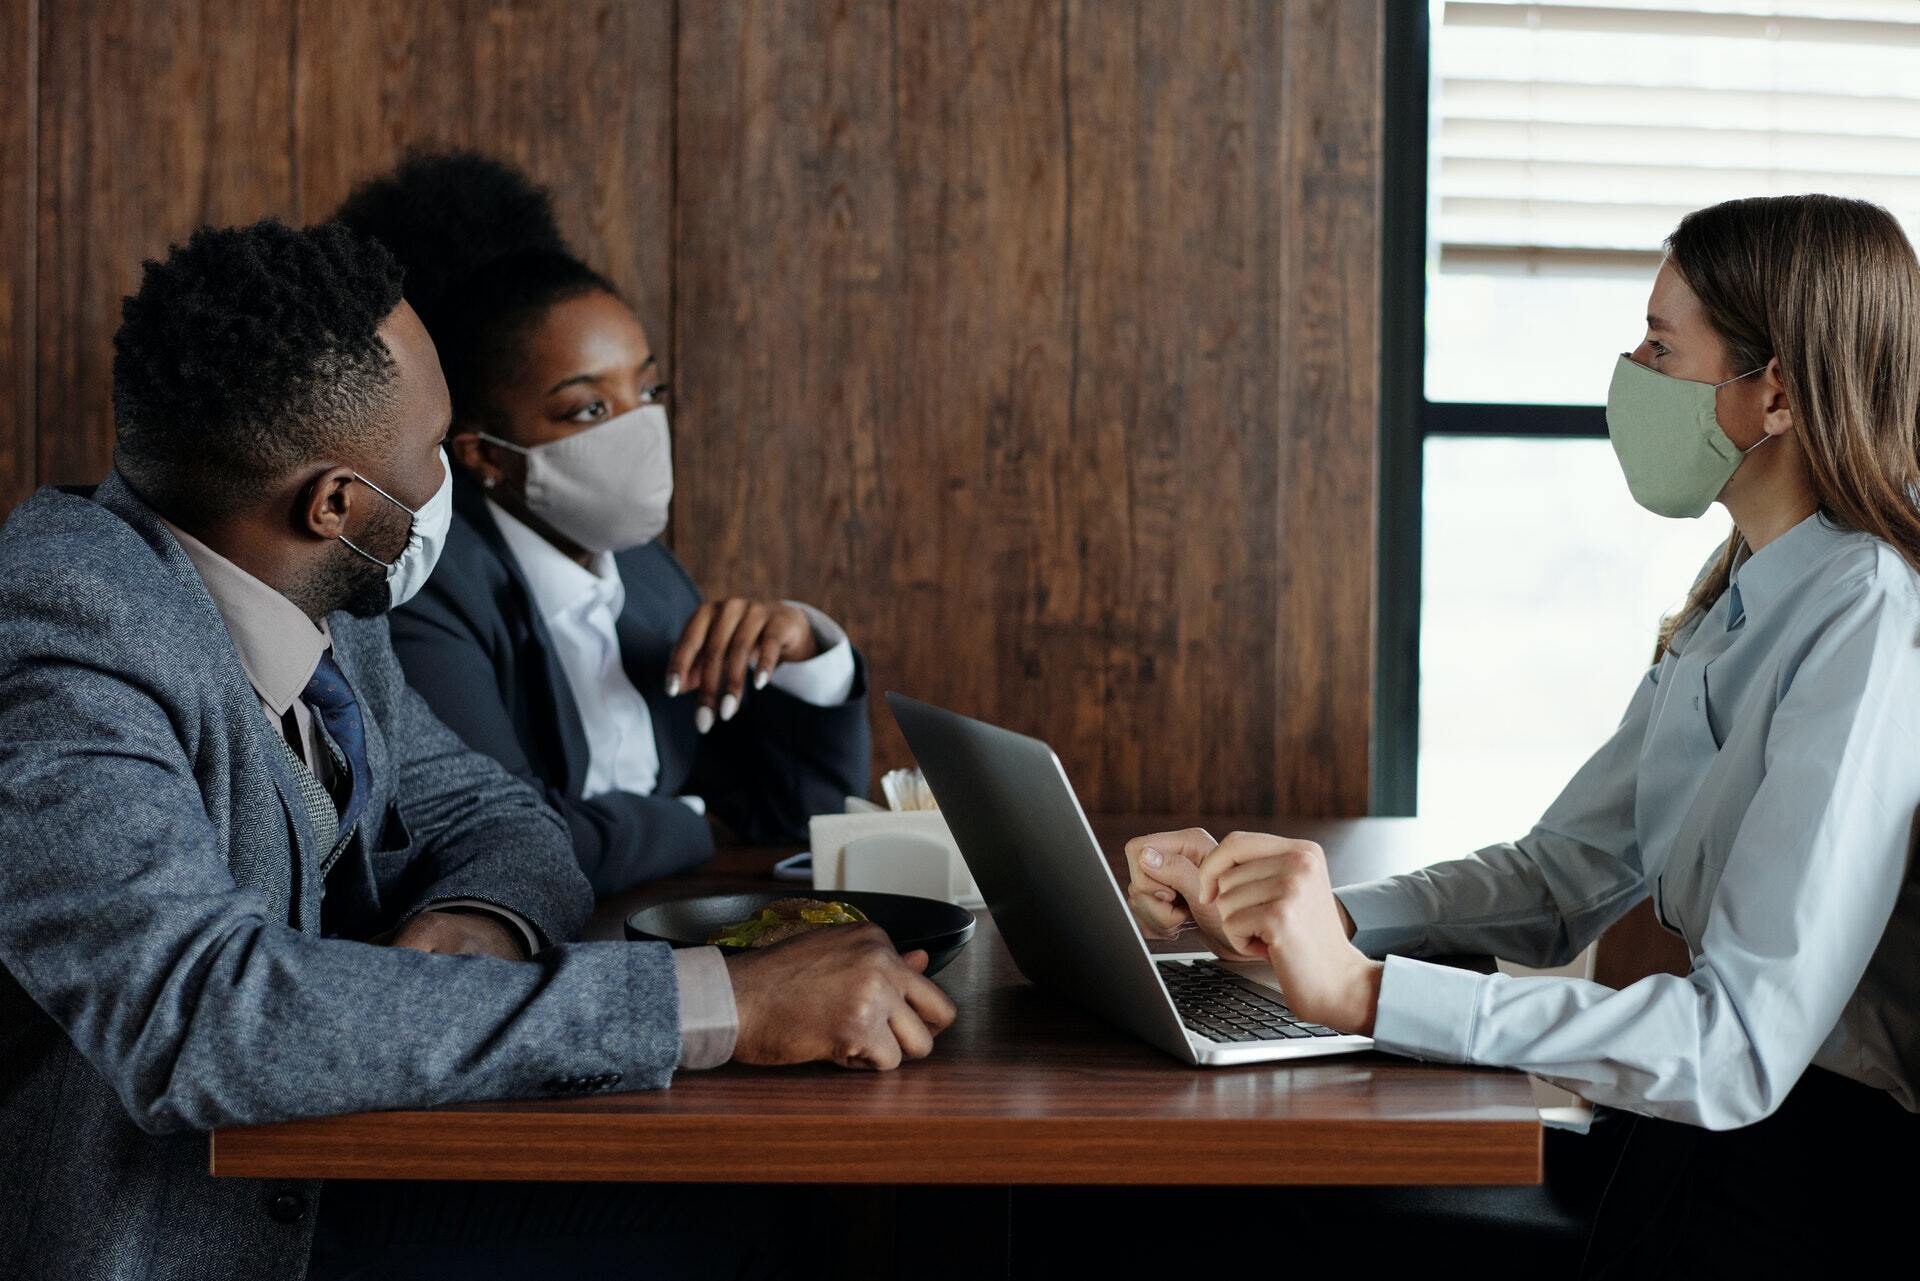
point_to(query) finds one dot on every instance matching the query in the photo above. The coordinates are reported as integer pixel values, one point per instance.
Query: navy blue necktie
(329, 694)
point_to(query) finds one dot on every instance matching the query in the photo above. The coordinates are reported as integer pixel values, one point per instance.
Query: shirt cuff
(1427, 1011)
(698, 804)
(528, 939)
(1386, 917)
(826, 679)
(709, 1020)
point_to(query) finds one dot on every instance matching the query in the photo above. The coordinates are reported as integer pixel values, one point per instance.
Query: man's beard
(347, 580)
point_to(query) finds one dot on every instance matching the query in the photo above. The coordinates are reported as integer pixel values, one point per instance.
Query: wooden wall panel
(155, 116)
(578, 94)
(19, 140)
(992, 344)
(1329, 305)
(787, 233)
(1175, 110)
(1033, 338)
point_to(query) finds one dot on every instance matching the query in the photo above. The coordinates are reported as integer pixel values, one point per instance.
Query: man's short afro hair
(246, 352)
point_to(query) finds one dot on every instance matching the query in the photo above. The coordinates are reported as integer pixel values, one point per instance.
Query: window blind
(1572, 137)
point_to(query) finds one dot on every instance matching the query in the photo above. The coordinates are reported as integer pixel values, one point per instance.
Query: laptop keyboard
(1213, 1002)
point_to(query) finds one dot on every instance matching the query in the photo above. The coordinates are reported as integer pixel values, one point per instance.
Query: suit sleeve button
(287, 1207)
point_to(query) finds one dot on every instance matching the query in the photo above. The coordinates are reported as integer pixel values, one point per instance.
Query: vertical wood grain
(155, 116)
(1033, 340)
(1329, 296)
(979, 494)
(19, 142)
(580, 95)
(1176, 110)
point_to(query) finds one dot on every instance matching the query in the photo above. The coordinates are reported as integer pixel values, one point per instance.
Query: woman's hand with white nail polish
(724, 640)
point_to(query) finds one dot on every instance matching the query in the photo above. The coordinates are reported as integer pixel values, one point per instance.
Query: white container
(909, 852)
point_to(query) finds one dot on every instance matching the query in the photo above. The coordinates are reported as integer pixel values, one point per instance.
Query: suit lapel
(648, 628)
(568, 737)
(644, 650)
(254, 757)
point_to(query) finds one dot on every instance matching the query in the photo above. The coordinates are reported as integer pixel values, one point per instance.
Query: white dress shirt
(581, 606)
(1763, 787)
(279, 647)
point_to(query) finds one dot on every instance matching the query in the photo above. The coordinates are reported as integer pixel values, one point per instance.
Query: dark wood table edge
(944, 1150)
(485, 1142)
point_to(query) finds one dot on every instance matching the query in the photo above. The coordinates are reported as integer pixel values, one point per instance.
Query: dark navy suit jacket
(473, 643)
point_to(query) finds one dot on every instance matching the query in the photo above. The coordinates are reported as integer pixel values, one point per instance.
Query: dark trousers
(1535, 1232)
(1827, 1182)
(430, 1231)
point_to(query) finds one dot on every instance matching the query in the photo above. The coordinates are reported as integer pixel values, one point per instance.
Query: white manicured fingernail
(703, 719)
(1151, 858)
(761, 677)
(673, 685)
(728, 706)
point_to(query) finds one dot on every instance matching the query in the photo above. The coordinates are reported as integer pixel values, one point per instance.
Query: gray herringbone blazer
(167, 962)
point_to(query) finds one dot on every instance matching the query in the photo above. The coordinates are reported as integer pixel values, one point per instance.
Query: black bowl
(914, 924)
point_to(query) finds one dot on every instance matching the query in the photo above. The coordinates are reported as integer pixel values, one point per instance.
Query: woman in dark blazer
(556, 634)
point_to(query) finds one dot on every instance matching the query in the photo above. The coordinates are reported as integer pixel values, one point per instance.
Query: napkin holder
(891, 852)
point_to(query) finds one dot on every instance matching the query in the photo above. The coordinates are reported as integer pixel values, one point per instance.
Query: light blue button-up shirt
(1763, 787)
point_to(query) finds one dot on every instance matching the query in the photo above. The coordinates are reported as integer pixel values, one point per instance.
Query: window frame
(1407, 417)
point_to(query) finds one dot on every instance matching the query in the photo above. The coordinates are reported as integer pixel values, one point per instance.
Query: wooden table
(1022, 1090)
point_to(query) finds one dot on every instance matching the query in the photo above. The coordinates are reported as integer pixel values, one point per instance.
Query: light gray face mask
(607, 488)
(1668, 437)
(426, 537)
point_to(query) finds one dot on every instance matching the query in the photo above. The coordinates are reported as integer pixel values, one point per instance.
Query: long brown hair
(1829, 286)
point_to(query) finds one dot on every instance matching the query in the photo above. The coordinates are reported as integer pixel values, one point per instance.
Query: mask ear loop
(491, 439)
(1765, 435)
(413, 523)
(488, 482)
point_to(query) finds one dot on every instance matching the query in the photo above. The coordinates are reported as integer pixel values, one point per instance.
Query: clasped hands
(1256, 897)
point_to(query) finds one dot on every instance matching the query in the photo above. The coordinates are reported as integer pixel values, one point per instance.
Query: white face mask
(426, 537)
(608, 487)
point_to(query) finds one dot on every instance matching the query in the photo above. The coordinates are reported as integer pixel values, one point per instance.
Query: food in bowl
(782, 919)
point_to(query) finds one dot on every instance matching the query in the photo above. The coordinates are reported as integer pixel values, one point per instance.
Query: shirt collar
(560, 584)
(1760, 578)
(279, 646)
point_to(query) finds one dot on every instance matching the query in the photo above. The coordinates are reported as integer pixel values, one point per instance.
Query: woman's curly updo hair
(484, 259)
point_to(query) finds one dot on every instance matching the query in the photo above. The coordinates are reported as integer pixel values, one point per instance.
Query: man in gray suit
(218, 799)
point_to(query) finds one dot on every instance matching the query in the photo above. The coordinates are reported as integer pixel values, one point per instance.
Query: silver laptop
(1065, 919)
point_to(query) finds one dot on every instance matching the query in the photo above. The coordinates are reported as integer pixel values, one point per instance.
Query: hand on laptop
(1163, 889)
(842, 995)
(1273, 898)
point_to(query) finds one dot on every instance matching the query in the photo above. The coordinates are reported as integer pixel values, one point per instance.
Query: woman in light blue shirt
(1763, 786)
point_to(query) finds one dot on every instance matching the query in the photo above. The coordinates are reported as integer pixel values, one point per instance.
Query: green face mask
(1668, 439)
